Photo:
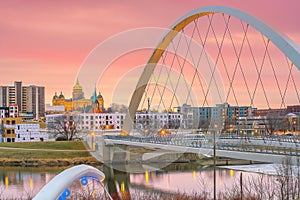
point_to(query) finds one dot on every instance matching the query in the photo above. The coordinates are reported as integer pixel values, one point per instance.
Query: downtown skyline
(45, 43)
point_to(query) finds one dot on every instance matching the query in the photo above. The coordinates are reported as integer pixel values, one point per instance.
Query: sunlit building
(61, 101)
(8, 128)
(78, 102)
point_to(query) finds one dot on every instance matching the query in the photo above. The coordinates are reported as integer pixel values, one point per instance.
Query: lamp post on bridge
(215, 175)
(93, 142)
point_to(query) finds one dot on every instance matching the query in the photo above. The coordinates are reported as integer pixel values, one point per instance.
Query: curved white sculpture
(286, 45)
(60, 183)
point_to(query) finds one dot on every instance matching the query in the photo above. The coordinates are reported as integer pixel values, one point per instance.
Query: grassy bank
(65, 152)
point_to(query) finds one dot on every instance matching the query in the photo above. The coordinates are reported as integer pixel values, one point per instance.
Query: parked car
(61, 138)
(289, 135)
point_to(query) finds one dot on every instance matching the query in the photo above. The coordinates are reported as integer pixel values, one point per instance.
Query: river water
(21, 183)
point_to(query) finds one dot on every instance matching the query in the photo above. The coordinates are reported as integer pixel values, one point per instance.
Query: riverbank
(62, 153)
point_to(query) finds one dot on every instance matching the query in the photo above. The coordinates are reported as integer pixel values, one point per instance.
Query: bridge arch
(287, 46)
(59, 183)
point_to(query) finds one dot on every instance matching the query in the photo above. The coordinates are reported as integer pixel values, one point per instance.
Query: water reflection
(17, 182)
(190, 179)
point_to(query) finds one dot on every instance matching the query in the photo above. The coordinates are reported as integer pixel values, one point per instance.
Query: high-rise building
(30, 99)
(35, 101)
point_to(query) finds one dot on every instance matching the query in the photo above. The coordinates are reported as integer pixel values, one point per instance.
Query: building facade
(30, 99)
(107, 121)
(29, 133)
(78, 102)
(13, 129)
(217, 118)
(8, 128)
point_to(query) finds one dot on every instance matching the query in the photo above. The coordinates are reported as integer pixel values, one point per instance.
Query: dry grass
(43, 150)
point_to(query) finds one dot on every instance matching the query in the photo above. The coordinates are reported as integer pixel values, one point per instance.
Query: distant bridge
(253, 149)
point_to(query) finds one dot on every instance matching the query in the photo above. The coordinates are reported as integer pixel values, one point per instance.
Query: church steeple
(95, 96)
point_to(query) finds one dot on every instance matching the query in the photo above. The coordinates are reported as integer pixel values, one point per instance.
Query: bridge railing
(237, 144)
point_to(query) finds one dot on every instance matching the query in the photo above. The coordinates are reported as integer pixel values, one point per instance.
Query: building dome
(61, 96)
(77, 86)
(99, 96)
(55, 97)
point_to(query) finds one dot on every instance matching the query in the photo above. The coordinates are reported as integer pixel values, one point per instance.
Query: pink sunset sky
(45, 42)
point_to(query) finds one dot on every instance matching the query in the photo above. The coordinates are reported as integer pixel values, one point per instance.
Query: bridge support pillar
(115, 154)
(108, 151)
(120, 154)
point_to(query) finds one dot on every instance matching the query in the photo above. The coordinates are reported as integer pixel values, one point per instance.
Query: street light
(93, 143)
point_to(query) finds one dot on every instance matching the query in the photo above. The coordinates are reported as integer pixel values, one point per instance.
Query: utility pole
(215, 177)
(241, 185)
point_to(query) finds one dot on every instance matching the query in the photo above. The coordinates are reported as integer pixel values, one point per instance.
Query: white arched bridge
(222, 74)
(228, 74)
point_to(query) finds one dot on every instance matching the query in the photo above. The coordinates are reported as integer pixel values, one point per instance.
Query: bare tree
(274, 122)
(288, 180)
(64, 126)
(120, 108)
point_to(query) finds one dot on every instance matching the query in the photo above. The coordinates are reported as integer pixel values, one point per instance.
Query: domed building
(78, 102)
(55, 100)
(61, 98)
(77, 92)
(61, 101)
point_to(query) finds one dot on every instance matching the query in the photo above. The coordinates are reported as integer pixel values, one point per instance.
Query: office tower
(30, 99)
